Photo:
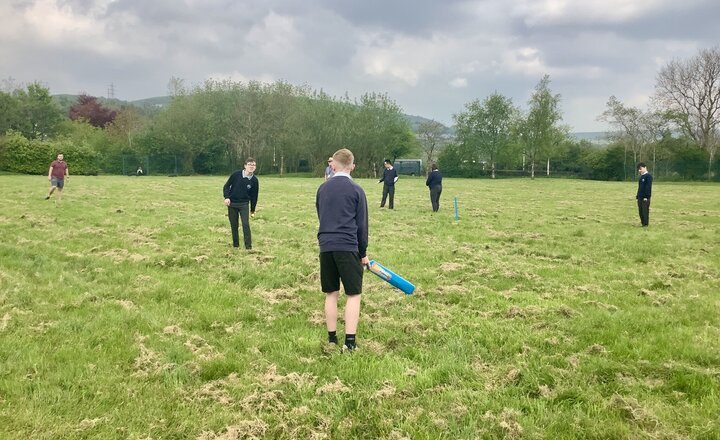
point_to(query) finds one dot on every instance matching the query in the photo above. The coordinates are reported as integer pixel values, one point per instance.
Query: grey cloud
(154, 40)
(406, 16)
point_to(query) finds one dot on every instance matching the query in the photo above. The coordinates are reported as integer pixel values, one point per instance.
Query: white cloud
(275, 37)
(52, 24)
(525, 60)
(458, 83)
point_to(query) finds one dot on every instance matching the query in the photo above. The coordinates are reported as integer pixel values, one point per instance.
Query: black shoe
(47, 197)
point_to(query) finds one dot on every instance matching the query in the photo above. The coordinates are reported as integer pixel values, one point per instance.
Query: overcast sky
(430, 56)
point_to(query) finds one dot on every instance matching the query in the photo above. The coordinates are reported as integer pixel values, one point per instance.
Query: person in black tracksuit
(644, 193)
(434, 182)
(343, 238)
(241, 192)
(390, 176)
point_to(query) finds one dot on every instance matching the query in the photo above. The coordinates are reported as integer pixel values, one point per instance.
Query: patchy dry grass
(546, 312)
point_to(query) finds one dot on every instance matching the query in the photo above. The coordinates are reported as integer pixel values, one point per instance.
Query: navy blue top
(389, 176)
(342, 210)
(644, 186)
(434, 179)
(240, 189)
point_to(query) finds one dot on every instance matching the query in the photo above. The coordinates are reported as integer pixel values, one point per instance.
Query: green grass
(546, 312)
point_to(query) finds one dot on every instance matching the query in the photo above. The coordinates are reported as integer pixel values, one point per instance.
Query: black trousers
(435, 192)
(388, 189)
(644, 211)
(243, 210)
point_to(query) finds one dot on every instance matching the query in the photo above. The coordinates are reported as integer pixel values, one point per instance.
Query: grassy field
(546, 312)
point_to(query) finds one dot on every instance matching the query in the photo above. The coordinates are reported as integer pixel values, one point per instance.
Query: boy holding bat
(343, 237)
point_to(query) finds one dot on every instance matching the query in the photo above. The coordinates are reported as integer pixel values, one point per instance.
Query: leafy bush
(21, 155)
(604, 164)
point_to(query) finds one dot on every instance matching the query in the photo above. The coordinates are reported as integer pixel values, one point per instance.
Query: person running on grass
(57, 175)
(342, 210)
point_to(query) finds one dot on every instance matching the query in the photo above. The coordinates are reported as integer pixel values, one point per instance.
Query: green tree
(378, 130)
(40, 114)
(182, 131)
(30, 111)
(539, 131)
(486, 127)
(9, 112)
(431, 137)
(690, 92)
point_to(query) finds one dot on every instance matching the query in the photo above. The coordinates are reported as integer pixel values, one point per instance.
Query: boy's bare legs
(331, 310)
(352, 314)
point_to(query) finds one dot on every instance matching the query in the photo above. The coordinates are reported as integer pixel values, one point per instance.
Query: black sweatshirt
(644, 186)
(434, 179)
(240, 189)
(389, 176)
(342, 210)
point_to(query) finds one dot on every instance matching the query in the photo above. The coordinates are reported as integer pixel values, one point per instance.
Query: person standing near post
(434, 182)
(388, 180)
(329, 171)
(241, 194)
(341, 206)
(57, 174)
(643, 194)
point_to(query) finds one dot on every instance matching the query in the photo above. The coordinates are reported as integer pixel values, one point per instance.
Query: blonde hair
(343, 158)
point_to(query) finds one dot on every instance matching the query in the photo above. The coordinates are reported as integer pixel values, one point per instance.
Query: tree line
(677, 135)
(213, 127)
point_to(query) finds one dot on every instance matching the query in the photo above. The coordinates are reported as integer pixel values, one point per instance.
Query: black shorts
(341, 265)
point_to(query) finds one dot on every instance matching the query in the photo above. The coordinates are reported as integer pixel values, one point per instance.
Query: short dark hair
(433, 167)
(641, 165)
(388, 161)
(248, 160)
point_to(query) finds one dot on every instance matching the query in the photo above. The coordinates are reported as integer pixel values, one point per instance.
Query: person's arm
(317, 202)
(50, 173)
(227, 189)
(254, 195)
(67, 171)
(395, 179)
(361, 219)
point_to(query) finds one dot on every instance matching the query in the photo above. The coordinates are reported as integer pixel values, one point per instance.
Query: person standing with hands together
(241, 194)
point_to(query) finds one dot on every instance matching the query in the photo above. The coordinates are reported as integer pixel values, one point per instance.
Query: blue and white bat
(391, 277)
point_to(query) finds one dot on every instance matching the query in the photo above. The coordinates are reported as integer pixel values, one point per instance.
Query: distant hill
(158, 101)
(415, 122)
(147, 105)
(595, 137)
